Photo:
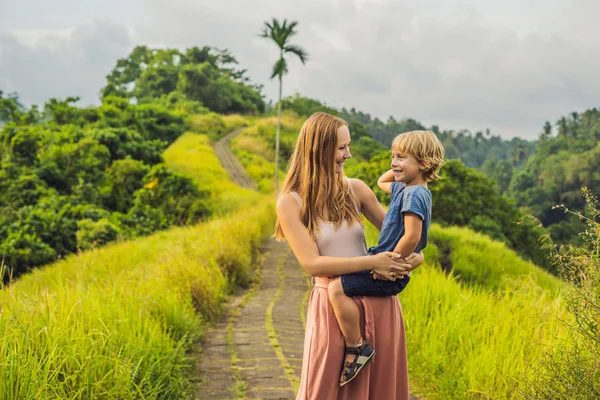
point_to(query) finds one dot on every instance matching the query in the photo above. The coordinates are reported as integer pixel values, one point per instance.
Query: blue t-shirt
(415, 199)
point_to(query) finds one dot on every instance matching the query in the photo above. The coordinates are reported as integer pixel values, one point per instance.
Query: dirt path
(255, 352)
(230, 163)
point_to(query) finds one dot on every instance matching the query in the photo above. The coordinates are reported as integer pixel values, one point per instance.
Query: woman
(318, 213)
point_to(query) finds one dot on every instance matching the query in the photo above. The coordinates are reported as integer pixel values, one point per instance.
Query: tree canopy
(74, 178)
(205, 75)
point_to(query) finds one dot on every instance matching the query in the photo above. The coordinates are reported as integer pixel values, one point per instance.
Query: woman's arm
(369, 205)
(408, 264)
(307, 253)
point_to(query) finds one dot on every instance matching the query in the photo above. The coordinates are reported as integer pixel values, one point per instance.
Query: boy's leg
(357, 352)
(363, 284)
(346, 312)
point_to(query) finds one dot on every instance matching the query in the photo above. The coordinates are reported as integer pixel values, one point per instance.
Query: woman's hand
(410, 263)
(378, 277)
(389, 265)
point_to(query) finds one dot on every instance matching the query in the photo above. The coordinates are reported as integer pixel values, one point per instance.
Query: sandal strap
(351, 368)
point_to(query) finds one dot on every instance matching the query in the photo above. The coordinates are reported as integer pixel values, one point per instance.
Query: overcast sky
(507, 65)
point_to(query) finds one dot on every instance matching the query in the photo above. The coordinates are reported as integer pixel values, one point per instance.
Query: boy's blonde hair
(425, 147)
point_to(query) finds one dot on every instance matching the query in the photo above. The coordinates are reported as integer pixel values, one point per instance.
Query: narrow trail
(255, 351)
(230, 162)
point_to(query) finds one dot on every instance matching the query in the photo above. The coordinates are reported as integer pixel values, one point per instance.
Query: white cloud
(67, 62)
(509, 66)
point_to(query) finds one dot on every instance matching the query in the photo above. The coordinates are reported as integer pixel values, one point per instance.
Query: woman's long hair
(326, 195)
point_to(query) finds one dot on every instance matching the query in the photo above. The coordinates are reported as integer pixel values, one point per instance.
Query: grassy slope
(477, 259)
(477, 337)
(116, 322)
(192, 155)
(254, 148)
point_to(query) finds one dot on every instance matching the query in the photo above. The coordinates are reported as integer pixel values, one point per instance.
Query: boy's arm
(385, 181)
(413, 224)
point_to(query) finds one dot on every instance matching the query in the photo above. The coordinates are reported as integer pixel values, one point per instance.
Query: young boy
(417, 157)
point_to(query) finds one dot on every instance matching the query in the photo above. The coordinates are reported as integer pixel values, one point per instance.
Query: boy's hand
(378, 277)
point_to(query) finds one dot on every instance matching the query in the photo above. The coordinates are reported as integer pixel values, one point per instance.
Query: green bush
(92, 233)
(210, 124)
(91, 163)
(571, 368)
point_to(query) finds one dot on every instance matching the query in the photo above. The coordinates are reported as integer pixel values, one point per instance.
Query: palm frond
(297, 50)
(280, 32)
(280, 68)
(266, 30)
(291, 27)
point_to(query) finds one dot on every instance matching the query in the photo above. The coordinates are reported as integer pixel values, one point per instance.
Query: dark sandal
(362, 355)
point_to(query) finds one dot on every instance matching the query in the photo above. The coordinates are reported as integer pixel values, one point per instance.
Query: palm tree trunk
(277, 136)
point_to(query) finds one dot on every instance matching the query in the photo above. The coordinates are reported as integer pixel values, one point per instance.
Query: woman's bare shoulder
(360, 188)
(286, 202)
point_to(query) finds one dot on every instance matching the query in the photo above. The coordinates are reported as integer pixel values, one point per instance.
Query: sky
(506, 65)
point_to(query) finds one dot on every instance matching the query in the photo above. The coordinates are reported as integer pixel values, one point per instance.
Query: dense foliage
(561, 165)
(74, 178)
(110, 157)
(571, 369)
(204, 75)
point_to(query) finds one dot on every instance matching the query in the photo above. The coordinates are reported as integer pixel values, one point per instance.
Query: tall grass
(254, 148)
(475, 258)
(116, 322)
(466, 342)
(192, 155)
(572, 368)
(476, 340)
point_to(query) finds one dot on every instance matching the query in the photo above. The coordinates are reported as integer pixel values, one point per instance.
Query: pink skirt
(382, 324)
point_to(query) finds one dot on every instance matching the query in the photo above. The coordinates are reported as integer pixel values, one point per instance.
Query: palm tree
(280, 34)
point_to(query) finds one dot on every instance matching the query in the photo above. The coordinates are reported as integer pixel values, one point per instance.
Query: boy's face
(406, 168)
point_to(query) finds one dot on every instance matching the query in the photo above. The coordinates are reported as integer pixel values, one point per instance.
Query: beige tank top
(346, 241)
